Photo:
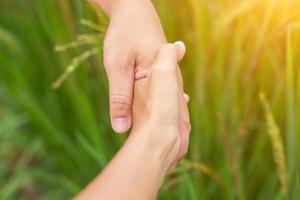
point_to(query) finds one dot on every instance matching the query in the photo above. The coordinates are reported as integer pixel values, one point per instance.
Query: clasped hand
(159, 136)
(146, 95)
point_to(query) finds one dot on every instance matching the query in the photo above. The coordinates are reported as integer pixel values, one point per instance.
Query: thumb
(166, 83)
(121, 77)
(169, 55)
(180, 50)
(165, 67)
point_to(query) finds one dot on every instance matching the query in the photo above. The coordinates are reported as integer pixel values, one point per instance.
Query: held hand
(161, 106)
(131, 42)
(159, 136)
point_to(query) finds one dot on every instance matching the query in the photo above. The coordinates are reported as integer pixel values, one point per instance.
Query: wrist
(161, 142)
(116, 6)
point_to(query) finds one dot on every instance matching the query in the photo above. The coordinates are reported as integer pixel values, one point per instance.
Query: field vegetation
(242, 71)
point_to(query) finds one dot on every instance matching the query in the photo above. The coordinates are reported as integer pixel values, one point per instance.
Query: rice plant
(55, 134)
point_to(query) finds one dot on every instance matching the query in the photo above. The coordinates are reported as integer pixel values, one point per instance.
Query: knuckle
(115, 57)
(118, 64)
(164, 68)
(111, 62)
(120, 105)
(188, 127)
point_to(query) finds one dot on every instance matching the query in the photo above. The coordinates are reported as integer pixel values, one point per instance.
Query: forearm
(108, 6)
(135, 172)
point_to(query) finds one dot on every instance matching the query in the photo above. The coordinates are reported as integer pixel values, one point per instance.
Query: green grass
(53, 142)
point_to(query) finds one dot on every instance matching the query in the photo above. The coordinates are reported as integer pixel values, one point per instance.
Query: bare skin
(133, 38)
(153, 146)
(131, 44)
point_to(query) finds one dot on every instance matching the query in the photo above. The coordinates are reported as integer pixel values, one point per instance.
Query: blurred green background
(241, 70)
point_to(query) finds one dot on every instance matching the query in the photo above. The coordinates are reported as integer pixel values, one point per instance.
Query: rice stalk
(232, 162)
(74, 64)
(199, 167)
(74, 44)
(291, 114)
(90, 36)
(92, 25)
(204, 169)
(277, 144)
(172, 182)
(238, 10)
(262, 33)
(242, 128)
(82, 39)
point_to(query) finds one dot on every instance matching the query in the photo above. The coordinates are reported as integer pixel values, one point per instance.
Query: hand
(160, 113)
(131, 43)
(159, 135)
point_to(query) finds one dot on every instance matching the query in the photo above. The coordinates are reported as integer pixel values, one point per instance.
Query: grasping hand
(159, 135)
(161, 105)
(131, 43)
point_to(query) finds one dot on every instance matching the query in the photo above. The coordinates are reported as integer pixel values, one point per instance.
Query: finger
(181, 50)
(167, 57)
(164, 78)
(170, 54)
(184, 121)
(121, 79)
(165, 68)
(184, 128)
(186, 98)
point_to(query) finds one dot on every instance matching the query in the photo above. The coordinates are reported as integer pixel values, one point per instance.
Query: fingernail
(120, 125)
(180, 44)
(182, 48)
